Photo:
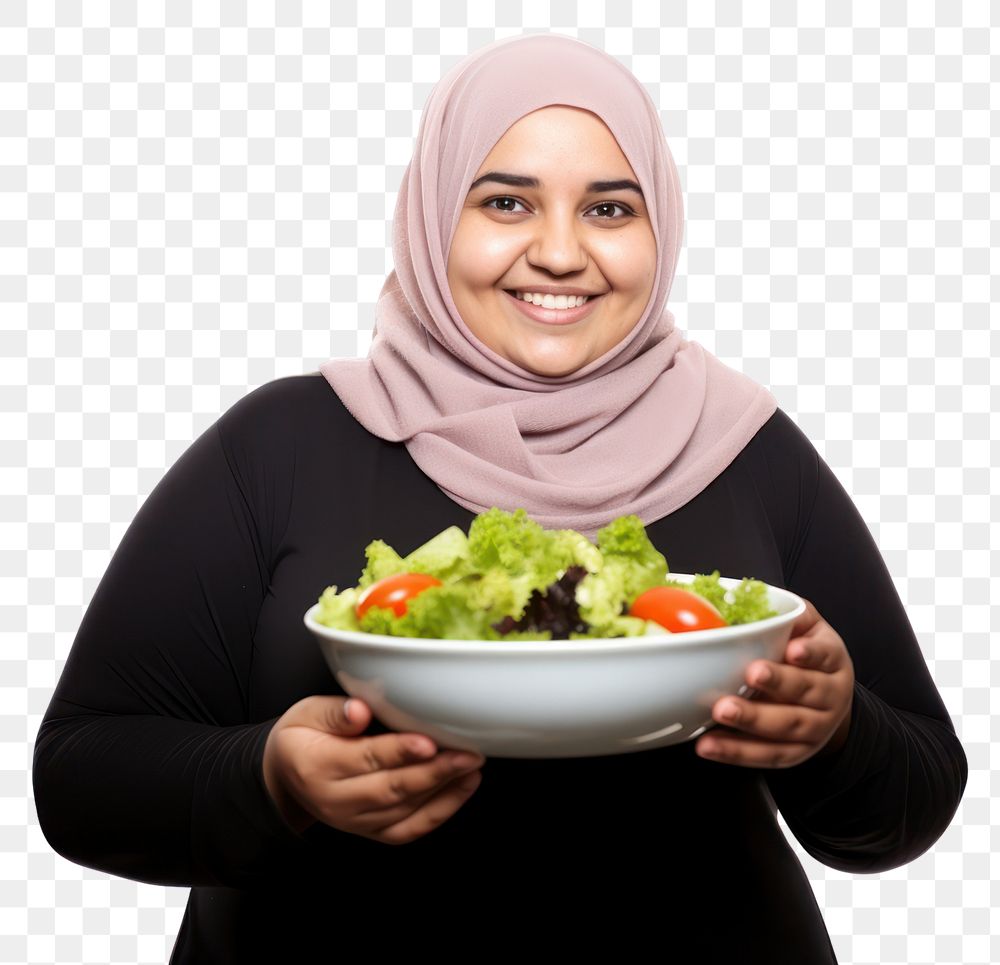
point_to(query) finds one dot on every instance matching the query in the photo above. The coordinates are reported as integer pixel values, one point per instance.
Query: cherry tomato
(393, 591)
(677, 610)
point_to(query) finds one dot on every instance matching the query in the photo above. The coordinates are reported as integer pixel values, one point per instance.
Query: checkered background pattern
(195, 200)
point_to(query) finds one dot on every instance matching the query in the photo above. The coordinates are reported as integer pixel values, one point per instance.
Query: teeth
(552, 301)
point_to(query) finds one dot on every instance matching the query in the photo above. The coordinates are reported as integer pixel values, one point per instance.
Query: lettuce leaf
(746, 602)
(512, 579)
(338, 609)
(439, 611)
(625, 543)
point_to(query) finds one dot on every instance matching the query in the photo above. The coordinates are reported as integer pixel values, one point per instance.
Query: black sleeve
(892, 789)
(146, 764)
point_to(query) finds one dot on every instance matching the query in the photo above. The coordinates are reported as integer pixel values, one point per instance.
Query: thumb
(329, 713)
(806, 621)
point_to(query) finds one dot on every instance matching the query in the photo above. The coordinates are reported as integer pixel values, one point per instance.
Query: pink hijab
(644, 428)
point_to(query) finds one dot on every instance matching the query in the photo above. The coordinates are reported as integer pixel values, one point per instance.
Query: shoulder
(785, 453)
(293, 407)
(782, 468)
(286, 423)
(781, 434)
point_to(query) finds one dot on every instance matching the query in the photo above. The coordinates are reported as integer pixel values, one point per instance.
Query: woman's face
(553, 230)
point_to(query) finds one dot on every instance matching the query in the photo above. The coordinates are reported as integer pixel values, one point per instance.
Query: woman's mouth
(553, 316)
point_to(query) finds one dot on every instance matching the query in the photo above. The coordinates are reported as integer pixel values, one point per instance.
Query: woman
(196, 738)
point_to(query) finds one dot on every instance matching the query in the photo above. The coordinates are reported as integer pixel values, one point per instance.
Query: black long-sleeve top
(148, 762)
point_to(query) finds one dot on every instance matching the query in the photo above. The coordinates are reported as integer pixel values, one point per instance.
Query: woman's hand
(804, 705)
(393, 788)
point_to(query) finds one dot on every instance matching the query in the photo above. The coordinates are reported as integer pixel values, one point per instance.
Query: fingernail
(763, 675)
(347, 709)
(729, 712)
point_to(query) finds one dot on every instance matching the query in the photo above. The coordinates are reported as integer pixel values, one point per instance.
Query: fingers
(823, 655)
(810, 625)
(322, 721)
(326, 713)
(776, 722)
(365, 784)
(796, 705)
(821, 650)
(806, 620)
(319, 766)
(819, 680)
(730, 747)
(394, 776)
(786, 684)
(432, 814)
(410, 801)
(357, 712)
(792, 714)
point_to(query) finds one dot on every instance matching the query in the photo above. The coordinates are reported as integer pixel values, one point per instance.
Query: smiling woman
(197, 738)
(555, 276)
(540, 172)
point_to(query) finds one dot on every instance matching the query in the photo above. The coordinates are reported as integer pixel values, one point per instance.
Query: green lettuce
(508, 561)
(747, 602)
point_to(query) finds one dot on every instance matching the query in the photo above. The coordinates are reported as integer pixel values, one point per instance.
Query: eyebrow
(523, 181)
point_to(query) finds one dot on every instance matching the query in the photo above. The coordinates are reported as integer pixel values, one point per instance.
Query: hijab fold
(644, 428)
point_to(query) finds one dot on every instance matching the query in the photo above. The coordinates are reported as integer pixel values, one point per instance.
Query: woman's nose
(558, 245)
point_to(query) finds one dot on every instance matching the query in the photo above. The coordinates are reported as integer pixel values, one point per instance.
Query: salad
(512, 579)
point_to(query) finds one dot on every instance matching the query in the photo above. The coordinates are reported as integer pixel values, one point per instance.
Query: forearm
(160, 800)
(880, 800)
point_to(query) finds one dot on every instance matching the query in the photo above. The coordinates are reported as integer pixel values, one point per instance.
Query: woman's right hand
(391, 788)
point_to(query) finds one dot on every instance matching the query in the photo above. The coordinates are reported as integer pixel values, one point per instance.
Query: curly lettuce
(512, 579)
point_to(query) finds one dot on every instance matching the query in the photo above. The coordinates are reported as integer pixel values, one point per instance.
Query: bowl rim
(719, 636)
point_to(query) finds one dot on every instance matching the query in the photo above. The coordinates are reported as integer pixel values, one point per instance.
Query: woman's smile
(551, 312)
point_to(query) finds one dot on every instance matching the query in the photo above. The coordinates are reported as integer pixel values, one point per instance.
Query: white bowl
(555, 698)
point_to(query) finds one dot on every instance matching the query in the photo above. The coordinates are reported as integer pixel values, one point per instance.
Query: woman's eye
(504, 210)
(612, 204)
(602, 205)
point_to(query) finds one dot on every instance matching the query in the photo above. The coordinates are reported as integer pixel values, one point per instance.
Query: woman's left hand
(804, 706)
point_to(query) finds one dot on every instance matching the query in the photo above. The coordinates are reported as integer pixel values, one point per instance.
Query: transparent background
(195, 200)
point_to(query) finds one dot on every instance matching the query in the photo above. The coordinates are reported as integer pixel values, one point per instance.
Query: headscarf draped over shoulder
(642, 429)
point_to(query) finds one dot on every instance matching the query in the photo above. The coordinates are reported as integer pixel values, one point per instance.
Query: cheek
(481, 255)
(470, 270)
(464, 274)
(635, 260)
(494, 248)
(627, 262)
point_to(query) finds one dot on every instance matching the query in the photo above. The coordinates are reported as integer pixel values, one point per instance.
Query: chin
(552, 371)
(546, 358)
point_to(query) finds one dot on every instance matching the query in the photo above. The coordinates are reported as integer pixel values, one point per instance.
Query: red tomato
(677, 610)
(394, 591)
